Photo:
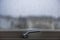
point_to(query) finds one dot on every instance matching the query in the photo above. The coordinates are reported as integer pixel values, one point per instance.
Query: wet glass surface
(32, 14)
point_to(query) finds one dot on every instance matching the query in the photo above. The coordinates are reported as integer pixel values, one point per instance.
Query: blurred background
(23, 14)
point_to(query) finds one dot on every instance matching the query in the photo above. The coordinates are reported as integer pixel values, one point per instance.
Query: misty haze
(18, 8)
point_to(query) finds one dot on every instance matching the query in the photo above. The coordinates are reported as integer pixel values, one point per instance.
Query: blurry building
(57, 23)
(5, 22)
(40, 22)
(21, 23)
(10, 22)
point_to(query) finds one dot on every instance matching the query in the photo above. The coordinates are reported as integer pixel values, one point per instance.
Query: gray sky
(30, 7)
